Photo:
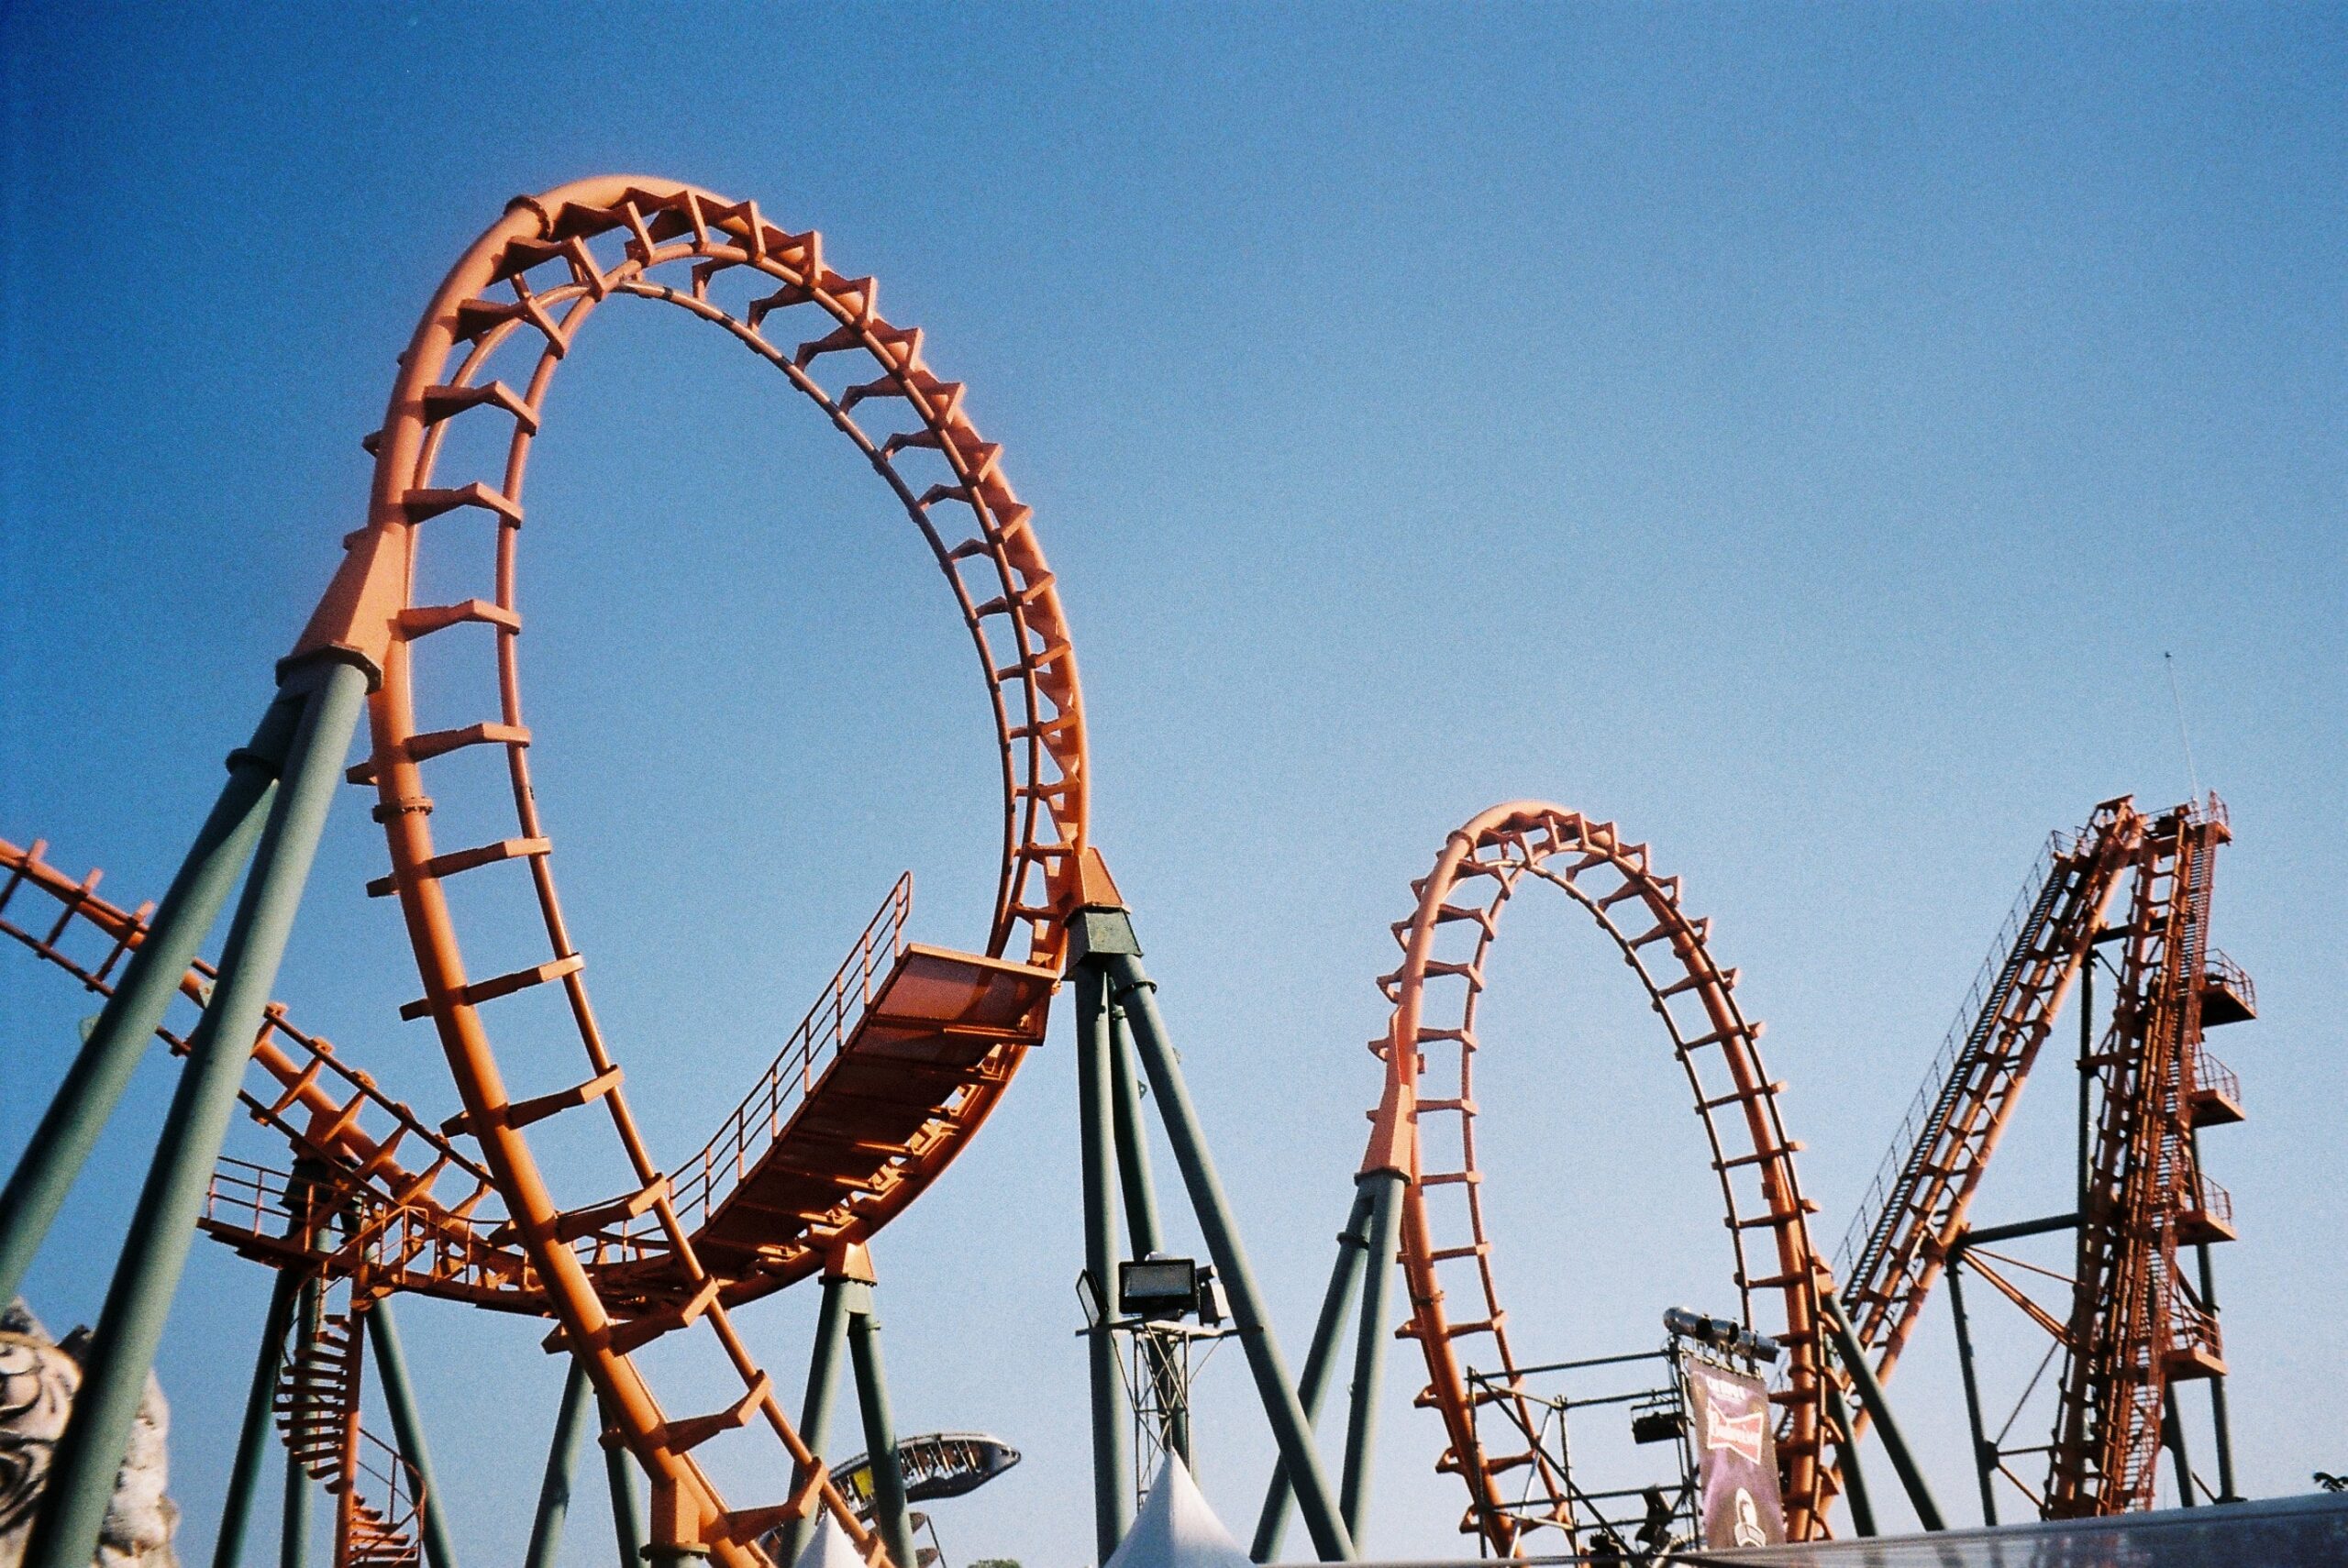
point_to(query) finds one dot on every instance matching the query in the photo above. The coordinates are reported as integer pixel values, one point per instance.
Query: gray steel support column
(1112, 1487)
(1895, 1444)
(2221, 1427)
(294, 1507)
(1290, 1430)
(252, 1438)
(562, 1463)
(880, 1432)
(1371, 1338)
(1353, 1243)
(1132, 1138)
(815, 1410)
(627, 1509)
(2173, 1438)
(82, 1478)
(1985, 1452)
(77, 1113)
(408, 1425)
(1855, 1478)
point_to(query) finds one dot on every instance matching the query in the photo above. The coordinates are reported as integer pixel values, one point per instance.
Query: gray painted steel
(162, 1229)
(408, 1425)
(1344, 1278)
(563, 1465)
(1181, 1118)
(93, 1085)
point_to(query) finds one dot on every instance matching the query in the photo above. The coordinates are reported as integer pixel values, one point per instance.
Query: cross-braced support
(1106, 969)
(326, 695)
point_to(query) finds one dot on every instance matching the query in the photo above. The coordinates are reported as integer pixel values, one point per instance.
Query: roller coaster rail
(898, 1066)
(1434, 996)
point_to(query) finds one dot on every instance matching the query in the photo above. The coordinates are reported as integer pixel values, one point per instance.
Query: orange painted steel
(2133, 1325)
(1434, 994)
(328, 1112)
(530, 285)
(1918, 1206)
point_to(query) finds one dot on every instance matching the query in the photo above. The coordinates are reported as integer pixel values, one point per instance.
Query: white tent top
(829, 1547)
(1176, 1530)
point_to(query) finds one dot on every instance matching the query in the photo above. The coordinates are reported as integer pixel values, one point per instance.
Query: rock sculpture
(39, 1377)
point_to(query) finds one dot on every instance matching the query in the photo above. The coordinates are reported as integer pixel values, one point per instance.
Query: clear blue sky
(1795, 431)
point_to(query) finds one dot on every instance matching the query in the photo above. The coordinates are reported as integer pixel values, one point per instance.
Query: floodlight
(1659, 1426)
(1159, 1286)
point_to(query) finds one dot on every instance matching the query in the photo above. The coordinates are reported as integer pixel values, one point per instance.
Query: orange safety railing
(402, 1245)
(398, 1484)
(2212, 1202)
(2208, 1074)
(2221, 973)
(1854, 1254)
(743, 1138)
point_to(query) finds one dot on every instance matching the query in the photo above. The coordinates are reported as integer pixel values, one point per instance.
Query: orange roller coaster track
(1432, 1214)
(544, 255)
(894, 1068)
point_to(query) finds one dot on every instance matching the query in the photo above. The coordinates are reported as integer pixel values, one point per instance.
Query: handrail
(127, 929)
(389, 1239)
(703, 1182)
(2218, 970)
(1961, 1031)
(404, 1496)
(2208, 1075)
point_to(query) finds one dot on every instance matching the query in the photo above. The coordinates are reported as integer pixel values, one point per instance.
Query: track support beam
(562, 1463)
(1871, 1394)
(1112, 1487)
(80, 1485)
(815, 1409)
(1855, 1478)
(252, 1437)
(1336, 1305)
(879, 1431)
(408, 1425)
(1985, 1452)
(1130, 986)
(69, 1129)
(1371, 1339)
(628, 1507)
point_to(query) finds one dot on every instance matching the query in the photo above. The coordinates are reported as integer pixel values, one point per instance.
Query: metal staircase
(1916, 1209)
(317, 1412)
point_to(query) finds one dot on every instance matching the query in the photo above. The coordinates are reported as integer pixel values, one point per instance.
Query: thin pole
(77, 1113)
(1371, 1336)
(880, 1432)
(294, 1508)
(2173, 1436)
(1112, 1463)
(1894, 1445)
(1290, 1430)
(1985, 1452)
(1132, 1138)
(562, 1463)
(627, 1509)
(1855, 1478)
(407, 1425)
(2183, 740)
(122, 1351)
(1353, 1243)
(252, 1438)
(815, 1409)
(2221, 1427)
(2087, 1064)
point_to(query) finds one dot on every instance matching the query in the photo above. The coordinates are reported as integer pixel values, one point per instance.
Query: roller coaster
(908, 1048)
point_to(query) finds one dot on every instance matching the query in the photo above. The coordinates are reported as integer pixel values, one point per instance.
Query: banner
(1737, 1455)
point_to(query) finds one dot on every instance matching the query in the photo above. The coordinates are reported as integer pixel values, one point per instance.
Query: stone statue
(39, 1378)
